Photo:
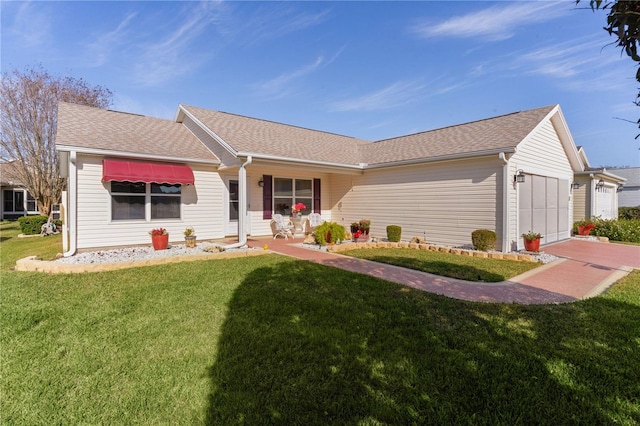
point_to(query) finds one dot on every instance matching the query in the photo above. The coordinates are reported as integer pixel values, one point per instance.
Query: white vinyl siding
(200, 209)
(442, 202)
(541, 154)
(582, 200)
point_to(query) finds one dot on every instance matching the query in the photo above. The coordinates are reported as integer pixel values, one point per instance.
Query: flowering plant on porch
(158, 231)
(297, 208)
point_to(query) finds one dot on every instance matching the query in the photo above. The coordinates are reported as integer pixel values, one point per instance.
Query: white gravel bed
(128, 254)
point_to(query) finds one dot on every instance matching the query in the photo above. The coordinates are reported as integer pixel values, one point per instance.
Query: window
(31, 203)
(7, 196)
(129, 201)
(233, 200)
(287, 192)
(14, 200)
(165, 201)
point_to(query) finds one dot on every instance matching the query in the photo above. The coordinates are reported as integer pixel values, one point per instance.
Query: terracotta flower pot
(532, 245)
(585, 229)
(160, 242)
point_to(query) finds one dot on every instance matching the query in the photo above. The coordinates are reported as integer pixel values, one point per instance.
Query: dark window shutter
(316, 196)
(267, 197)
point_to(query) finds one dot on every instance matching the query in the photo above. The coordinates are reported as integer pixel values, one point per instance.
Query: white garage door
(544, 208)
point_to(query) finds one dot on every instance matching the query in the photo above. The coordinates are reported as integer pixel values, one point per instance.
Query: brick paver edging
(31, 264)
(463, 252)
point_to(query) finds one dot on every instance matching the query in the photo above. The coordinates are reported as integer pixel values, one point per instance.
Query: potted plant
(189, 237)
(297, 209)
(159, 238)
(531, 241)
(365, 225)
(584, 227)
(355, 227)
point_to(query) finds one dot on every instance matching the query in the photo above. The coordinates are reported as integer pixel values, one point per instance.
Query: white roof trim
(222, 142)
(451, 157)
(124, 154)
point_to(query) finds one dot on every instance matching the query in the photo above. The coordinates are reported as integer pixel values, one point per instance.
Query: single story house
(595, 191)
(226, 174)
(629, 193)
(16, 200)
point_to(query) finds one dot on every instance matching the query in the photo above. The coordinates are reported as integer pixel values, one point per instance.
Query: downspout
(242, 205)
(505, 203)
(592, 189)
(73, 205)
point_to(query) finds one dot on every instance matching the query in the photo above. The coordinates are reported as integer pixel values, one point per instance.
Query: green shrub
(334, 231)
(484, 239)
(618, 229)
(629, 213)
(394, 232)
(31, 225)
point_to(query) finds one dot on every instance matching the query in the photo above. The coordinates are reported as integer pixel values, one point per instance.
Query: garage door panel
(539, 199)
(544, 207)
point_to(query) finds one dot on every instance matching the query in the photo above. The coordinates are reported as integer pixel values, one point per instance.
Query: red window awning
(137, 171)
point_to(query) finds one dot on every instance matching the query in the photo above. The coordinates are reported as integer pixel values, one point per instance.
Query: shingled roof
(88, 127)
(95, 128)
(9, 174)
(502, 132)
(252, 135)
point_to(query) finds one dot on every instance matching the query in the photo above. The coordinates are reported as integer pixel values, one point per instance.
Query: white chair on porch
(313, 220)
(281, 227)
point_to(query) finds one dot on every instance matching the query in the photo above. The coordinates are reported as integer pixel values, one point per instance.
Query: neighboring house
(629, 194)
(16, 200)
(595, 191)
(226, 174)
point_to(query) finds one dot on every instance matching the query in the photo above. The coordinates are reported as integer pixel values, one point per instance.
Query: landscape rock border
(462, 252)
(32, 264)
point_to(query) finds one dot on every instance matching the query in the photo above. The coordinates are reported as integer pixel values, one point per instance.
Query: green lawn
(13, 248)
(446, 264)
(274, 340)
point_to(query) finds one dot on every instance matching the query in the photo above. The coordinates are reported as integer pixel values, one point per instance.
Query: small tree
(29, 117)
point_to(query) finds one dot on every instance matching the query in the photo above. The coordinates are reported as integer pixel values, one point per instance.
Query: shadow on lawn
(303, 344)
(445, 269)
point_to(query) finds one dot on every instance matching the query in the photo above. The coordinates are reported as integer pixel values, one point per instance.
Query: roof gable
(98, 129)
(252, 136)
(489, 135)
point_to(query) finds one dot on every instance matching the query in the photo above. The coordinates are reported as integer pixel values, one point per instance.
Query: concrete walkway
(586, 269)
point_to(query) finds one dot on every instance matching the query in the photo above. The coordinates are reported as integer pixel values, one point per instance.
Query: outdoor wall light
(620, 186)
(575, 185)
(600, 184)
(519, 177)
(261, 183)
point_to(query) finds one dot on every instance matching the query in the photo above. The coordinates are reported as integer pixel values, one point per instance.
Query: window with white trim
(14, 201)
(129, 201)
(288, 192)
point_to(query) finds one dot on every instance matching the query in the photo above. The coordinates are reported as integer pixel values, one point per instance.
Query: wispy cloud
(282, 85)
(173, 55)
(395, 95)
(268, 23)
(494, 23)
(112, 41)
(32, 25)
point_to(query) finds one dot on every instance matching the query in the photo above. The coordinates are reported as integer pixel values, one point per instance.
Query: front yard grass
(13, 248)
(446, 264)
(274, 340)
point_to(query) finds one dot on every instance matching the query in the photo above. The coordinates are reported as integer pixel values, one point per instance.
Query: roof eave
(450, 157)
(280, 160)
(138, 155)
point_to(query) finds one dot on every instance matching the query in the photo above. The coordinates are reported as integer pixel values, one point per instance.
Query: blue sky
(372, 70)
